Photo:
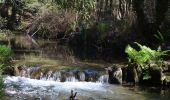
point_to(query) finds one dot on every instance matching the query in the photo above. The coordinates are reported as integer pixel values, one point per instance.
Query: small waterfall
(41, 76)
(71, 79)
(103, 79)
(49, 76)
(22, 88)
(24, 73)
(62, 75)
(57, 76)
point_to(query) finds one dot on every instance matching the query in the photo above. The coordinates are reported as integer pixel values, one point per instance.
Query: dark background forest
(92, 28)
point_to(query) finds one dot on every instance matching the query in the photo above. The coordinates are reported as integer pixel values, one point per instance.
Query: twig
(72, 96)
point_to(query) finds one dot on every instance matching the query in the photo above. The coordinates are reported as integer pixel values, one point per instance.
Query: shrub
(3, 22)
(144, 57)
(1, 88)
(6, 35)
(103, 27)
(52, 22)
(5, 54)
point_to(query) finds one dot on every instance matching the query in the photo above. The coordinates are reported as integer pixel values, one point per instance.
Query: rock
(132, 73)
(124, 74)
(157, 76)
(167, 80)
(81, 76)
(166, 67)
(91, 76)
(115, 75)
(37, 74)
(18, 70)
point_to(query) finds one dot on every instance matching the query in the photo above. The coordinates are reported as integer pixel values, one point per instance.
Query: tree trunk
(148, 29)
(12, 20)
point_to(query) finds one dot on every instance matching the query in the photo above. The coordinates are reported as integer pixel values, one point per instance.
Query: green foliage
(6, 35)
(1, 81)
(84, 8)
(3, 22)
(2, 93)
(30, 5)
(103, 27)
(5, 54)
(1, 69)
(160, 37)
(144, 57)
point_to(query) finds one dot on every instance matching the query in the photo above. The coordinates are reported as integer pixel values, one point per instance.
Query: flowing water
(22, 88)
(32, 84)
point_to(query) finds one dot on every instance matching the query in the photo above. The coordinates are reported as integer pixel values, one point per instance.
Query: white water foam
(22, 81)
(22, 88)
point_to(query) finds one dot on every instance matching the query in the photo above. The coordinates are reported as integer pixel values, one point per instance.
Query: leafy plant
(103, 27)
(1, 81)
(5, 54)
(3, 22)
(1, 87)
(144, 56)
(6, 34)
(84, 8)
(160, 37)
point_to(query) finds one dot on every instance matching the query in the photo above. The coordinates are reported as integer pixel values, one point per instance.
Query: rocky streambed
(37, 83)
(39, 78)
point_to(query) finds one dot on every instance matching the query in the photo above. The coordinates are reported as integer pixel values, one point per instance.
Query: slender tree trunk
(111, 7)
(161, 9)
(146, 28)
(12, 19)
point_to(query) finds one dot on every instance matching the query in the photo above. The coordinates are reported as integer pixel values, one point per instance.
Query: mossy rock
(168, 79)
(157, 75)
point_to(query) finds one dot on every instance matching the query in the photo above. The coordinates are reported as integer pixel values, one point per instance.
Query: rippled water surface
(49, 87)
(21, 88)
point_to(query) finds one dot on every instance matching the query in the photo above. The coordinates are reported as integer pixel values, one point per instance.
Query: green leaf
(144, 56)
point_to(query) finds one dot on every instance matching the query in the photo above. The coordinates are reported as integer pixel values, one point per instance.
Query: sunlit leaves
(84, 9)
(143, 57)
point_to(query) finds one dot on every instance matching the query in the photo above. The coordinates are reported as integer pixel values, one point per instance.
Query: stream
(22, 88)
(32, 84)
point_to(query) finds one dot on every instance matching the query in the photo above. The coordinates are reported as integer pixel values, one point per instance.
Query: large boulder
(115, 75)
(81, 76)
(132, 73)
(157, 76)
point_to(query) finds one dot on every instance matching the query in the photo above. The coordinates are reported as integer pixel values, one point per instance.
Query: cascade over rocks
(35, 72)
(127, 75)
